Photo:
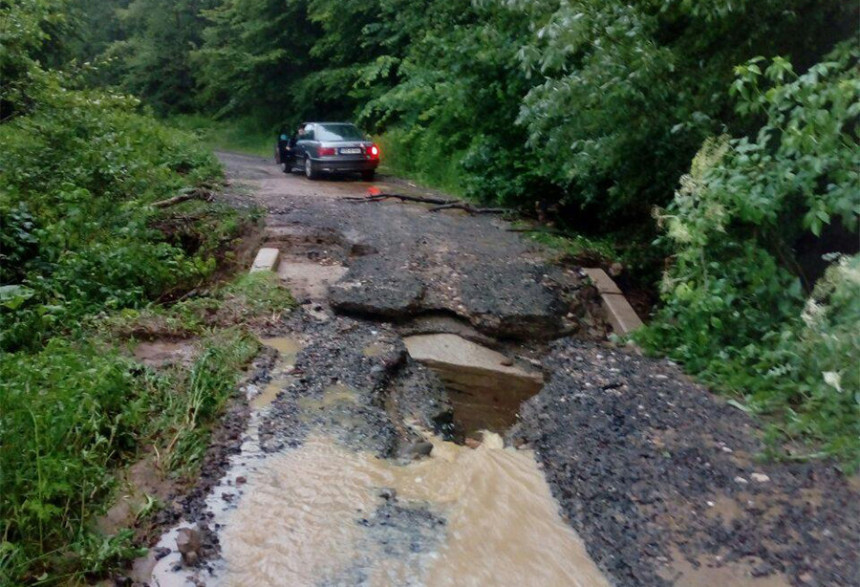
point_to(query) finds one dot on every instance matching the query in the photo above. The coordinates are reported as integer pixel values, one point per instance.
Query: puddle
(286, 346)
(485, 389)
(287, 349)
(310, 517)
(332, 397)
(270, 392)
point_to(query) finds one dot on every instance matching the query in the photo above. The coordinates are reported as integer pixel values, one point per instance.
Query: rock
(241, 480)
(760, 477)
(507, 362)
(420, 449)
(388, 493)
(740, 480)
(160, 552)
(472, 443)
(188, 543)
(762, 569)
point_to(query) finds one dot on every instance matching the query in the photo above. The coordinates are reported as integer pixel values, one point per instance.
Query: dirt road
(346, 474)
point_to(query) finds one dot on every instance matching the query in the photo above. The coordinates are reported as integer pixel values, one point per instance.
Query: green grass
(244, 135)
(421, 159)
(578, 246)
(246, 300)
(80, 409)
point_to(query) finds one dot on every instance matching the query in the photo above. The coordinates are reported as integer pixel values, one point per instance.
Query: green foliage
(80, 170)
(153, 61)
(254, 52)
(734, 295)
(628, 91)
(69, 416)
(421, 155)
(448, 96)
(244, 135)
(77, 175)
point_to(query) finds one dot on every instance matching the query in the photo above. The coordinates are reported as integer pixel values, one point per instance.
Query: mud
(161, 353)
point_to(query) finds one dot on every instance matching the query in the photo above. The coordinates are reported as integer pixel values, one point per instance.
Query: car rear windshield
(338, 132)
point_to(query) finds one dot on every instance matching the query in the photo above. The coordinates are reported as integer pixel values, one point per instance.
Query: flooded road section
(325, 513)
(322, 514)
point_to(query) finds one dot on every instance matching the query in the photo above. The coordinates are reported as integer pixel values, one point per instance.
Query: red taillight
(327, 151)
(374, 151)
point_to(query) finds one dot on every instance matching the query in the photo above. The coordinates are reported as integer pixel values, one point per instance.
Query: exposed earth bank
(660, 478)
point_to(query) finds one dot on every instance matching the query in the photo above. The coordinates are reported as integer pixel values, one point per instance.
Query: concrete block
(620, 313)
(465, 365)
(308, 280)
(266, 260)
(604, 283)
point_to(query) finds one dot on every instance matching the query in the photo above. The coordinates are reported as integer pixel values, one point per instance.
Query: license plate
(355, 151)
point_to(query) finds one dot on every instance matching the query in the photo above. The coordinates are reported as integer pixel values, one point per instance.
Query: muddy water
(303, 521)
(287, 348)
(326, 514)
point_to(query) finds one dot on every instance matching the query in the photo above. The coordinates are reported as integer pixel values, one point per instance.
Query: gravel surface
(649, 467)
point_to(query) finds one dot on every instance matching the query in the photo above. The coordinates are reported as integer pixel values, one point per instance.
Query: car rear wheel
(368, 175)
(310, 169)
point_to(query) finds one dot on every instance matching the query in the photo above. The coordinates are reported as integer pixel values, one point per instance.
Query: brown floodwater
(298, 520)
(325, 514)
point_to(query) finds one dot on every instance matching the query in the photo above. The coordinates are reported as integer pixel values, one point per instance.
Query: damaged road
(337, 465)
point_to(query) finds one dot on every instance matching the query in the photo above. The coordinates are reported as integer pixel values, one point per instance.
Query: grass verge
(79, 410)
(243, 135)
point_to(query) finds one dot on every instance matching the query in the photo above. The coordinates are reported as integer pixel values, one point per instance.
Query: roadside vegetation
(92, 261)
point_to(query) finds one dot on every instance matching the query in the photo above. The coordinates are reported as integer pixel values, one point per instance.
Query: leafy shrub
(734, 297)
(77, 173)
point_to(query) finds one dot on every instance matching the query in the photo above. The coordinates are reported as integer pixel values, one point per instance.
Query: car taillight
(374, 151)
(327, 151)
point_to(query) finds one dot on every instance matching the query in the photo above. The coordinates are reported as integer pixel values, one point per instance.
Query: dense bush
(734, 296)
(78, 170)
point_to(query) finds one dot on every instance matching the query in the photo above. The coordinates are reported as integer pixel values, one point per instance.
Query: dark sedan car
(337, 147)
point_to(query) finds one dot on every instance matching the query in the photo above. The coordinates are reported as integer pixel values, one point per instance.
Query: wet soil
(664, 482)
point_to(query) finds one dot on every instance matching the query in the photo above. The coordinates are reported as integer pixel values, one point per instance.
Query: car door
(305, 144)
(284, 153)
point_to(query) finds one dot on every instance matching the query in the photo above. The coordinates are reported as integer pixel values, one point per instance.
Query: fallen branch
(401, 197)
(440, 203)
(470, 209)
(545, 230)
(194, 194)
